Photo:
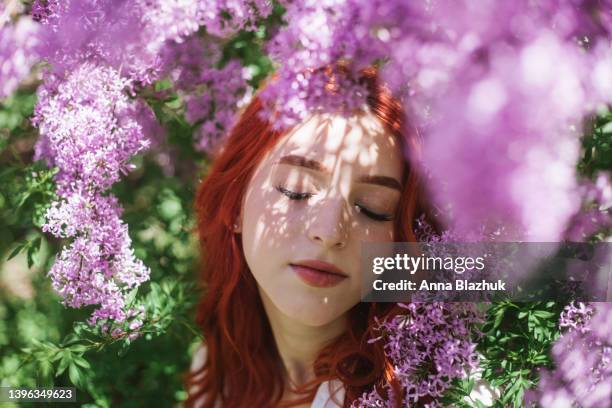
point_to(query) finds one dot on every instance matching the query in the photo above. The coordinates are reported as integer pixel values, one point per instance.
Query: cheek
(268, 218)
(270, 223)
(364, 230)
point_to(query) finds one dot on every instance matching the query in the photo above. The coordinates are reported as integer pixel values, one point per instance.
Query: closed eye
(293, 195)
(373, 215)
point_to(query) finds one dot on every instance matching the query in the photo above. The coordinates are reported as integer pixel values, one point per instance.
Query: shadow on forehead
(331, 139)
(333, 129)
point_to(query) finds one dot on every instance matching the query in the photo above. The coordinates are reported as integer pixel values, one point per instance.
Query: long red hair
(243, 368)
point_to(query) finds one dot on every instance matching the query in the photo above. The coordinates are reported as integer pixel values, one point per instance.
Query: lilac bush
(496, 90)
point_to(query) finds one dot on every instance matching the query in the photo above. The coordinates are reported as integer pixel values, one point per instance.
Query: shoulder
(197, 362)
(199, 358)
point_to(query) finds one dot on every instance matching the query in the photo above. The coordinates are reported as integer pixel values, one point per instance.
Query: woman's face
(327, 186)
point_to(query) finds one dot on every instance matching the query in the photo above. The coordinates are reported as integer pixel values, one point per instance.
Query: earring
(236, 226)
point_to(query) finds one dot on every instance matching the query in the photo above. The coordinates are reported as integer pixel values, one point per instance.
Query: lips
(317, 273)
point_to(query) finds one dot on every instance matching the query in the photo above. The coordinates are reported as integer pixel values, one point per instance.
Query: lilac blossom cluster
(227, 17)
(211, 94)
(126, 35)
(583, 360)
(429, 346)
(596, 211)
(89, 132)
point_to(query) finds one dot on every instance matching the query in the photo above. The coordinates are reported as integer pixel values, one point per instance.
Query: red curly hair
(243, 368)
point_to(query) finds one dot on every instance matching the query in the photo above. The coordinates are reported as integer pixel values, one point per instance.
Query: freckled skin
(329, 226)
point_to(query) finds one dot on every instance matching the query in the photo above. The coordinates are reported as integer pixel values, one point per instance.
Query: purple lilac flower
(89, 125)
(18, 52)
(429, 345)
(601, 73)
(226, 17)
(575, 316)
(583, 360)
(313, 39)
(44, 10)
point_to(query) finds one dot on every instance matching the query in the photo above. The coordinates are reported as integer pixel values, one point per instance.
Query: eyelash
(373, 215)
(292, 195)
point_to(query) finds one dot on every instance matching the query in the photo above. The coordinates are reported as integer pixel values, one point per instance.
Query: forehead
(359, 141)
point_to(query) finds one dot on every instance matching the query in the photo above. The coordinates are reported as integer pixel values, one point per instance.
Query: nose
(328, 224)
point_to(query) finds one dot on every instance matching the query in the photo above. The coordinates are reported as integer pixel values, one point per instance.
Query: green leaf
(62, 365)
(129, 299)
(81, 362)
(79, 348)
(512, 390)
(33, 248)
(45, 368)
(498, 319)
(23, 198)
(74, 374)
(469, 386)
(607, 128)
(543, 314)
(17, 250)
(56, 357)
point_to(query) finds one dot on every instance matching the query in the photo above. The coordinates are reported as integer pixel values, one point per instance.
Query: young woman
(281, 219)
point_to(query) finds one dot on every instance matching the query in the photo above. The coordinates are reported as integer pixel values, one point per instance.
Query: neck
(299, 344)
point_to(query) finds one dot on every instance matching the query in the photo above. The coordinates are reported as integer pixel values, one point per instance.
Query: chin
(312, 311)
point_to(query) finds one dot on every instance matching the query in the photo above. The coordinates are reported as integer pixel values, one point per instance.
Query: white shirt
(323, 397)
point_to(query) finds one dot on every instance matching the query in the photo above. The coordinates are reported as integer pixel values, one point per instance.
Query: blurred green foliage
(597, 144)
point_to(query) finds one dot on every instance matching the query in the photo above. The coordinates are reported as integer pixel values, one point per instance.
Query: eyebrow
(301, 161)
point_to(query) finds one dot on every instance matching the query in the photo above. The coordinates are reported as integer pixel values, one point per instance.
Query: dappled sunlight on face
(326, 187)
